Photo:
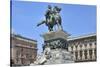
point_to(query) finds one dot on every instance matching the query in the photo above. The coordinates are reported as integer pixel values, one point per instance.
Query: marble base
(55, 49)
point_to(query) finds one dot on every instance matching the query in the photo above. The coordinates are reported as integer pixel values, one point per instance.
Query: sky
(76, 19)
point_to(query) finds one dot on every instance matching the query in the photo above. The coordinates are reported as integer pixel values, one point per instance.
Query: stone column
(78, 55)
(69, 49)
(74, 55)
(83, 56)
(93, 54)
(88, 55)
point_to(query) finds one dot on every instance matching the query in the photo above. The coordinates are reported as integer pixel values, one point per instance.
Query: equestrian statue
(52, 18)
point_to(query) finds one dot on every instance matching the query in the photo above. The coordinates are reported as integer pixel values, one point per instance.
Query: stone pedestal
(59, 56)
(55, 49)
(57, 39)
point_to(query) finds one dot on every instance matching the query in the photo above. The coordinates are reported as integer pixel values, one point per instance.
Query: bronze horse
(54, 19)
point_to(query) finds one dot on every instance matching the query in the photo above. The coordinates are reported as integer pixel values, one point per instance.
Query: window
(23, 60)
(76, 47)
(85, 53)
(17, 53)
(95, 53)
(21, 49)
(76, 55)
(17, 60)
(85, 45)
(28, 56)
(80, 46)
(71, 52)
(72, 48)
(31, 60)
(90, 52)
(81, 54)
(90, 44)
(95, 43)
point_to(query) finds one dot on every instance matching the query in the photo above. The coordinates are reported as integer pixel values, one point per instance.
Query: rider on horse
(52, 18)
(49, 14)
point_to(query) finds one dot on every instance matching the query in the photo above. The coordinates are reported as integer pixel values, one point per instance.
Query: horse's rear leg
(50, 28)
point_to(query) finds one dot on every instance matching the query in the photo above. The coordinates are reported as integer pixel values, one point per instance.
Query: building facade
(23, 50)
(83, 48)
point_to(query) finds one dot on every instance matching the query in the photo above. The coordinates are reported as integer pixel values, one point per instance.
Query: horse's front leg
(58, 25)
(50, 28)
(61, 28)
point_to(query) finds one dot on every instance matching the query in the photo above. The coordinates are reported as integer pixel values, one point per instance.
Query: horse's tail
(42, 22)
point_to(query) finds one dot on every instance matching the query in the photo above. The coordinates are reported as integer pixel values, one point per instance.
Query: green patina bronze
(52, 17)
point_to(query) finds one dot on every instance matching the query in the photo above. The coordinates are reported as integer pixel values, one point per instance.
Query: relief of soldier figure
(52, 18)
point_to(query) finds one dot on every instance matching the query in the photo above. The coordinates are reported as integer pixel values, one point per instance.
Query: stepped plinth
(55, 48)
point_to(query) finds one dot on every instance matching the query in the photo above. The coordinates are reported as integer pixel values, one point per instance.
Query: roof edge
(81, 36)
